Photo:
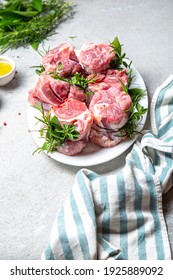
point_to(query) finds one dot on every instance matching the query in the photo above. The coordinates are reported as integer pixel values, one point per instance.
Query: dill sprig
(54, 133)
(30, 22)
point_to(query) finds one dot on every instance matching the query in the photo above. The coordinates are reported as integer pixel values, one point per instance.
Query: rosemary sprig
(30, 22)
(54, 133)
(39, 69)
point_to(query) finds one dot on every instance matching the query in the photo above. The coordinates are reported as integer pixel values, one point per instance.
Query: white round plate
(92, 154)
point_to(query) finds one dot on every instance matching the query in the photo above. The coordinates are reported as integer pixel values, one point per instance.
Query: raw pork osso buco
(99, 114)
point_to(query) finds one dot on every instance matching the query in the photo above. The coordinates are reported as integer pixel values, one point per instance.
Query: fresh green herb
(72, 37)
(81, 81)
(54, 133)
(44, 51)
(136, 94)
(30, 22)
(37, 4)
(39, 69)
(59, 66)
(124, 88)
(131, 76)
(136, 112)
(119, 61)
(77, 79)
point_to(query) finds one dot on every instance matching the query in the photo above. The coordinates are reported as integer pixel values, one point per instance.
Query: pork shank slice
(111, 78)
(76, 93)
(71, 148)
(110, 110)
(96, 57)
(74, 112)
(49, 91)
(64, 54)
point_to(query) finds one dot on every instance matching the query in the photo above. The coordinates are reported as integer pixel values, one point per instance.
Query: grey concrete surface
(33, 188)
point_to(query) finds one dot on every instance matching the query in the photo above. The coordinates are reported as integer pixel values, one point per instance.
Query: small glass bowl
(5, 79)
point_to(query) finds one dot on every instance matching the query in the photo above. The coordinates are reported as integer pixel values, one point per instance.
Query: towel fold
(120, 216)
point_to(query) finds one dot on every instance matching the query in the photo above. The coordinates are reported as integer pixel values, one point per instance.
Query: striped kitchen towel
(120, 216)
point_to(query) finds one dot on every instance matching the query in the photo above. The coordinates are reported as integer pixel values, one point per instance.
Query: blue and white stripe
(120, 216)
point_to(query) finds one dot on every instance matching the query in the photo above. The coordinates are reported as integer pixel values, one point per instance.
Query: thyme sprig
(54, 133)
(30, 22)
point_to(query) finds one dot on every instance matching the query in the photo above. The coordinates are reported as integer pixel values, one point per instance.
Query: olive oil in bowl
(5, 68)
